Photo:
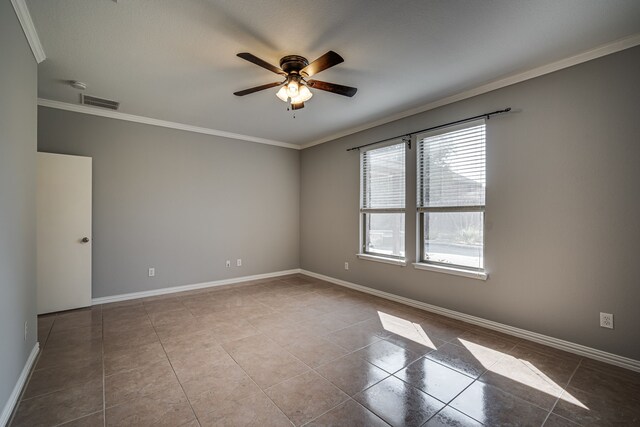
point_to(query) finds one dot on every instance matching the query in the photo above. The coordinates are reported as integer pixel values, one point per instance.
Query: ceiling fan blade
(256, 89)
(327, 60)
(297, 106)
(333, 88)
(261, 63)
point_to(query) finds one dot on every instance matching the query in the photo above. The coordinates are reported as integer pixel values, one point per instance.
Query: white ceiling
(175, 59)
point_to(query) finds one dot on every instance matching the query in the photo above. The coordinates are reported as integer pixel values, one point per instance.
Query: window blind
(383, 177)
(451, 168)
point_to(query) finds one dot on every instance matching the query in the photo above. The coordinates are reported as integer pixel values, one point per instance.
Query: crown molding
(77, 108)
(22, 11)
(603, 50)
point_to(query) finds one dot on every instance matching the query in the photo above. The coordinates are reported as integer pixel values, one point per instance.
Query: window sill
(479, 275)
(394, 261)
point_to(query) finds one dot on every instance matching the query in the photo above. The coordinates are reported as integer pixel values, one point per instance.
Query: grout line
(256, 384)
(172, 368)
(76, 419)
(564, 390)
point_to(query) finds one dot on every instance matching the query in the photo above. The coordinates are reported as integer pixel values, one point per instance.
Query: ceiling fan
(296, 70)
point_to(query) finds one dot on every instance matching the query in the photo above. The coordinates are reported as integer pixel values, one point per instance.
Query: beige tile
(185, 326)
(387, 356)
(44, 381)
(472, 360)
(353, 315)
(190, 343)
(198, 364)
(558, 421)
(449, 417)
(160, 318)
(305, 397)
(420, 345)
(223, 390)
(492, 406)
(114, 306)
(78, 319)
(609, 382)
(298, 279)
(129, 385)
(214, 377)
(348, 414)
(587, 408)
(253, 345)
(165, 408)
(315, 351)
(443, 329)
(170, 303)
(60, 406)
(352, 374)
(256, 410)
(532, 376)
(434, 379)
(398, 403)
(232, 330)
(133, 358)
(354, 337)
(44, 327)
(289, 334)
(70, 355)
(94, 420)
(126, 339)
(490, 340)
(73, 337)
(275, 368)
(129, 310)
(264, 361)
(119, 325)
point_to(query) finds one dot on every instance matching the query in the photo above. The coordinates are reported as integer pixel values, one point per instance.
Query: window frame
(421, 212)
(364, 212)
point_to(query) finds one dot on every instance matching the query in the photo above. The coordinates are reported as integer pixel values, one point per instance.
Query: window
(382, 200)
(451, 196)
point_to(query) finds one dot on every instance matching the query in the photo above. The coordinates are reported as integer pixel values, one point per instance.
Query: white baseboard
(174, 289)
(568, 346)
(17, 389)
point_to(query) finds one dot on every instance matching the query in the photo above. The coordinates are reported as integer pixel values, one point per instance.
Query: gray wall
(180, 202)
(18, 93)
(562, 215)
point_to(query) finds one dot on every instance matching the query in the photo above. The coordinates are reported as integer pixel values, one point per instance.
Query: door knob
(85, 240)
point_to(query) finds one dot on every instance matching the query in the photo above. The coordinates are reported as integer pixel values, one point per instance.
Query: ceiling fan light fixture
(282, 94)
(304, 94)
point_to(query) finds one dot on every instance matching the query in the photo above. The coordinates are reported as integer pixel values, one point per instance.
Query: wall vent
(99, 102)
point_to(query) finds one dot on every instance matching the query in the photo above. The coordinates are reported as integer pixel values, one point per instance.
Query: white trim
(174, 289)
(568, 346)
(603, 50)
(17, 389)
(479, 275)
(22, 11)
(77, 108)
(385, 260)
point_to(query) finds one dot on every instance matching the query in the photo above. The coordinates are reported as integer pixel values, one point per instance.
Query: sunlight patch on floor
(406, 329)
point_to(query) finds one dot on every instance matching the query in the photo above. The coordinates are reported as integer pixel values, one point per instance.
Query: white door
(64, 232)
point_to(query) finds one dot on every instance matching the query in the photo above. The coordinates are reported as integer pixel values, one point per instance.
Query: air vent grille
(99, 102)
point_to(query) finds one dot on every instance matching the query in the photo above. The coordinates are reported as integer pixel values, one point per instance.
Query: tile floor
(296, 350)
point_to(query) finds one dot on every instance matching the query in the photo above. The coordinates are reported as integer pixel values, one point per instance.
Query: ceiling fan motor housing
(293, 63)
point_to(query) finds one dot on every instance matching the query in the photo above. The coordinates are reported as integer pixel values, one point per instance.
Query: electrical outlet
(25, 330)
(152, 272)
(346, 265)
(228, 263)
(238, 262)
(606, 320)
